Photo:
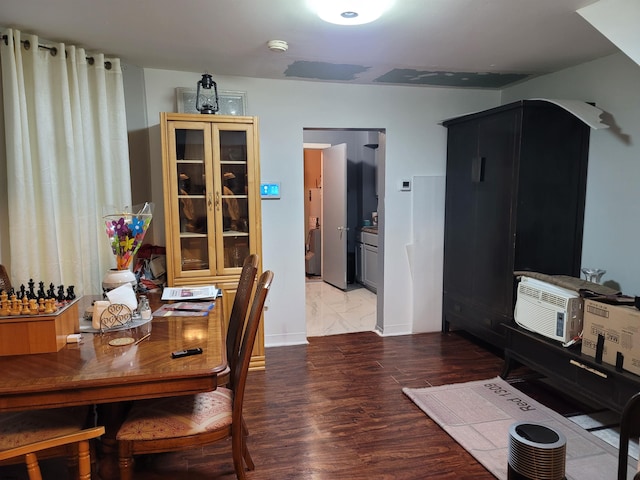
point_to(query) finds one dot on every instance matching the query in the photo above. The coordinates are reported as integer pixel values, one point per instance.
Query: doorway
(337, 299)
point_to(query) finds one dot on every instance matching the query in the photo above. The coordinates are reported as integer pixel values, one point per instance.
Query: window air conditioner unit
(549, 310)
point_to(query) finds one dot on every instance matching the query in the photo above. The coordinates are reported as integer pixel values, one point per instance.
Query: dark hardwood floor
(334, 409)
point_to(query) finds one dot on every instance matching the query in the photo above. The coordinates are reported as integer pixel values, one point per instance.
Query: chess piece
(41, 305)
(32, 293)
(25, 306)
(15, 305)
(60, 296)
(48, 305)
(51, 293)
(33, 306)
(41, 292)
(4, 304)
(23, 292)
(70, 293)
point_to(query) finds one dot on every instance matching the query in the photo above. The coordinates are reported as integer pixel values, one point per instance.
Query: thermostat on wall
(270, 190)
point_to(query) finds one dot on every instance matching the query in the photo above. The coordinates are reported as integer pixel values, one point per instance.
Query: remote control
(186, 353)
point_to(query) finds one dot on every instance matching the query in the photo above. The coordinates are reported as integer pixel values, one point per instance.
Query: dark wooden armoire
(515, 194)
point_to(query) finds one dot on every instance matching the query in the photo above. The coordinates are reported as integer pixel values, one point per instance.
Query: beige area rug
(478, 415)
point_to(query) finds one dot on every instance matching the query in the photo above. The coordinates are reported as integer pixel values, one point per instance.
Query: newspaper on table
(190, 293)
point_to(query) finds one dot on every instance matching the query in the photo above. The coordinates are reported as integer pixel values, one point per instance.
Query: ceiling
(456, 43)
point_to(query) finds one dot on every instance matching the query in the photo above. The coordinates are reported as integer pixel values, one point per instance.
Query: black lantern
(207, 98)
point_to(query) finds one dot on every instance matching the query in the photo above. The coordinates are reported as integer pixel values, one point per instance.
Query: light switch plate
(405, 185)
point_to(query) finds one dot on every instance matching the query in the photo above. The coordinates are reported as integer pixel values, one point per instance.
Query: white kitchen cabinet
(368, 246)
(370, 266)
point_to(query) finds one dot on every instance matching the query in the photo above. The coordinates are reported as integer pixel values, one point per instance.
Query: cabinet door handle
(477, 169)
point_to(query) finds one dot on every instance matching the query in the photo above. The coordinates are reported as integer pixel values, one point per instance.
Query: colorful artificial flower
(126, 232)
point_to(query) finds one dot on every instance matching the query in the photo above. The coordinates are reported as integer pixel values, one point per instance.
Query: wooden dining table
(96, 371)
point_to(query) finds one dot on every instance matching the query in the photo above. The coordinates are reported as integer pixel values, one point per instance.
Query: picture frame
(230, 102)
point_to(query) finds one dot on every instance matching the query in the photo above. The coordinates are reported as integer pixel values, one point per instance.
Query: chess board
(40, 332)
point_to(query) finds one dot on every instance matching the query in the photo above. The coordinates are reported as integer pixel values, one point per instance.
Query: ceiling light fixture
(350, 12)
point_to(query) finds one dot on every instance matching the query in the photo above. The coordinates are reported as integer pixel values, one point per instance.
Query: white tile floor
(330, 311)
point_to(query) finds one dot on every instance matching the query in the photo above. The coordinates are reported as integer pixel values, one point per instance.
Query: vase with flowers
(125, 228)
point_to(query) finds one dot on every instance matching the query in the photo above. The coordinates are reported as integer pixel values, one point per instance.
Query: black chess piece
(51, 293)
(41, 292)
(70, 293)
(23, 292)
(60, 296)
(32, 285)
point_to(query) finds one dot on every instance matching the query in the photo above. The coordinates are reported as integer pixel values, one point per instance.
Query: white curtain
(66, 157)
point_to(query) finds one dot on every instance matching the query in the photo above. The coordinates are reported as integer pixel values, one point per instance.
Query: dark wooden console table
(579, 375)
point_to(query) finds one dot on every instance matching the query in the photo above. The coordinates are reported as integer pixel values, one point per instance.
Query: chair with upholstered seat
(26, 437)
(180, 423)
(240, 308)
(629, 428)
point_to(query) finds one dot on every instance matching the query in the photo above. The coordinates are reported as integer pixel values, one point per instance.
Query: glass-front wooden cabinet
(211, 200)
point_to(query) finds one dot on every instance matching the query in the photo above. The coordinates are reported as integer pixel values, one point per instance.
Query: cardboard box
(620, 326)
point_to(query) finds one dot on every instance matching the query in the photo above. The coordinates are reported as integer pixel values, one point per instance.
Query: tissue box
(46, 333)
(620, 326)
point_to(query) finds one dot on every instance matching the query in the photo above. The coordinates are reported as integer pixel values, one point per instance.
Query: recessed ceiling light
(350, 12)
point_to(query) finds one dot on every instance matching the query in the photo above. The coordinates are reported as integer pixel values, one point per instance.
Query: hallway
(330, 311)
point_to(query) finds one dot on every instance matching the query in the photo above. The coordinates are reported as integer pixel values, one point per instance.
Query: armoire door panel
(459, 248)
(497, 138)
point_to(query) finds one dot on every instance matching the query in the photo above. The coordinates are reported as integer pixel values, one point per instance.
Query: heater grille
(537, 452)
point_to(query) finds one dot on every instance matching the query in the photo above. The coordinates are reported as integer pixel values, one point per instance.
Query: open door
(334, 213)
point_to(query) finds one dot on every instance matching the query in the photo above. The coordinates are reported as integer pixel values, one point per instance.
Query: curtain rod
(53, 50)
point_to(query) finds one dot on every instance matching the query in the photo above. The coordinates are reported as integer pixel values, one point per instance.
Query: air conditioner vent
(553, 299)
(530, 291)
(543, 296)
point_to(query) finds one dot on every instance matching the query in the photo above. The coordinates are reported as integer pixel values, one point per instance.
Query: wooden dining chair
(240, 308)
(629, 428)
(180, 423)
(26, 437)
(5, 282)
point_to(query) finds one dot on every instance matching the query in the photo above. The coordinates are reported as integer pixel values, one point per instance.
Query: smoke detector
(278, 46)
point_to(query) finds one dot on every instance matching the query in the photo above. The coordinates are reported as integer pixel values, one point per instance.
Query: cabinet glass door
(235, 144)
(192, 182)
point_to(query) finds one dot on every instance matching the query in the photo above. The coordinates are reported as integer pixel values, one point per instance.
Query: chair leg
(33, 469)
(245, 451)
(237, 450)
(125, 462)
(623, 452)
(84, 461)
(247, 456)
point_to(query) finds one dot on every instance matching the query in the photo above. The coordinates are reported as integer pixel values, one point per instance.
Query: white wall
(416, 145)
(612, 217)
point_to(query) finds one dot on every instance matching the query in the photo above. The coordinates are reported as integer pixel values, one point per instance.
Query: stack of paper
(184, 309)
